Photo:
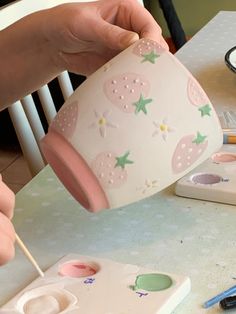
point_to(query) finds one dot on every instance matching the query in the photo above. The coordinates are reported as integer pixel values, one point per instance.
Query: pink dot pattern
(146, 46)
(104, 168)
(196, 95)
(186, 153)
(124, 90)
(65, 121)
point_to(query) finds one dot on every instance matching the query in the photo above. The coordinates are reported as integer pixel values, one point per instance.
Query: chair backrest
(24, 113)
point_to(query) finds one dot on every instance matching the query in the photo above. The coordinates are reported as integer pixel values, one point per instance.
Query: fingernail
(164, 43)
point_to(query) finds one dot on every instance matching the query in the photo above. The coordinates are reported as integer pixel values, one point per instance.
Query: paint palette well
(87, 285)
(214, 180)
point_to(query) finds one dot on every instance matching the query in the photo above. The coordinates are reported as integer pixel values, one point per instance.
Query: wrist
(53, 34)
(45, 48)
(26, 59)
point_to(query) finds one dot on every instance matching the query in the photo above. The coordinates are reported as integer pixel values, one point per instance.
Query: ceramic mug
(134, 127)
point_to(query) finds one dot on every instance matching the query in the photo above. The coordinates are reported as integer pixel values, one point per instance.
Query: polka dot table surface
(164, 232)
(204, 56)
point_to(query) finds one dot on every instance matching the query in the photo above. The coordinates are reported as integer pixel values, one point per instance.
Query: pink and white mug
(134, 127)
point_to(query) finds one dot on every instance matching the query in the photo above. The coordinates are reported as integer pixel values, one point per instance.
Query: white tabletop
(204, 57)
(165, 232)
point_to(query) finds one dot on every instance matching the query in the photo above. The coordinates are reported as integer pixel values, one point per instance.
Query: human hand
(7, 232)
(78, 37)
(84, 36)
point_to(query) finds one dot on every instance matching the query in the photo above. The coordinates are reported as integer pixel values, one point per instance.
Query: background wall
(193, 14)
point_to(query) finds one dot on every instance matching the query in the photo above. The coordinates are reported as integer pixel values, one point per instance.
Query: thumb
(128, 38)
(114, 36)
(7, 200)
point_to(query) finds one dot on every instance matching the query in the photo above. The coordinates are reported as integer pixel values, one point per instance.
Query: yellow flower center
(163, 127)
(102, 121)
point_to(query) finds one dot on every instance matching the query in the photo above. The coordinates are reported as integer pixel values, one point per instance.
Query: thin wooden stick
(29, 256)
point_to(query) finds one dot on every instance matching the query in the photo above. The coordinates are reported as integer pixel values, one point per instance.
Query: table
(204, 57)
(164, 232)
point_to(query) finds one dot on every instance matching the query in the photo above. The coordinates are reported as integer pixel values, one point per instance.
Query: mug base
(73, 172)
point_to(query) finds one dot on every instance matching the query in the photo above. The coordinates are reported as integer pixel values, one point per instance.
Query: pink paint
(186, 153)
(224, 157)
(108, 175)
(65, 121)
(125, 89)
(76, 269)
(146, 46)
(74, 172)
(196, 94)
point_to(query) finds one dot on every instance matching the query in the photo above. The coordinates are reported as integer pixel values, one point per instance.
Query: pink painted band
(74, 172)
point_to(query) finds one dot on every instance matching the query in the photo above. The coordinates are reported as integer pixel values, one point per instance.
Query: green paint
(123, 160)
(153, 282)
(150, 57)
(205, 110)
(200, 138)
(141, 104)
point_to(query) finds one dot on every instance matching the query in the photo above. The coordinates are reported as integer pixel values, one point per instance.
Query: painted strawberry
(196, 94)
(125, 90)
(198, 97)
(110, 169)
(187, 151)
(148, 49)
(65, 120)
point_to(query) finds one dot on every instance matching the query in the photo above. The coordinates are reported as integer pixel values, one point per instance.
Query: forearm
(78, 37)
(27, 60)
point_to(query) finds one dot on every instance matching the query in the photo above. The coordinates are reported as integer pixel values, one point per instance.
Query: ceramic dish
(230, 59)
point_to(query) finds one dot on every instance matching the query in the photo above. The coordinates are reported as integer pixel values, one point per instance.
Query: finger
(85, 63)
(115, 37)
(7, 249)
(164, 44)
(7, 239)
(7, 200)
(7, 227)
(132, 15)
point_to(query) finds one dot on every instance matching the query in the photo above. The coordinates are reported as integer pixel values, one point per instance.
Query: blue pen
(220, 297)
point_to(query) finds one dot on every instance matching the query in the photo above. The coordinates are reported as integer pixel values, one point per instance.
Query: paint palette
(87, 285)
(214, 180)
